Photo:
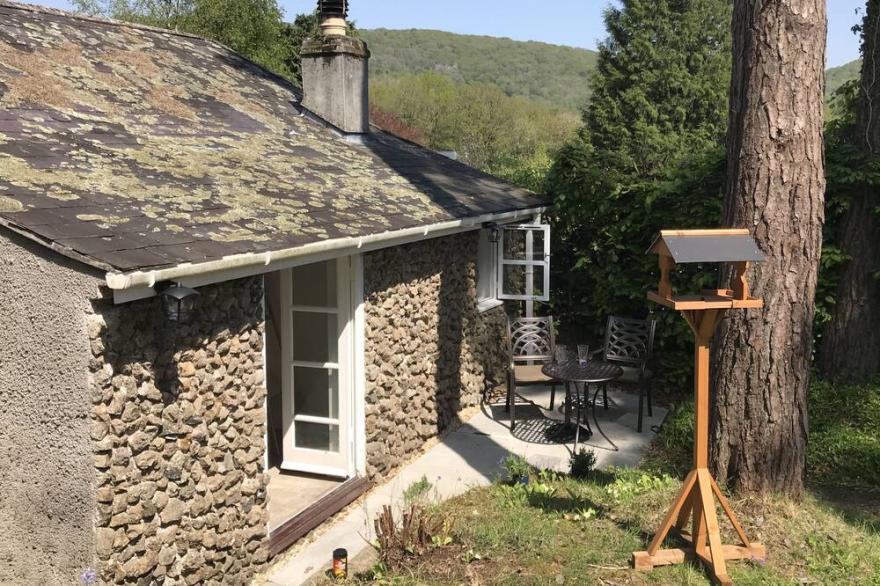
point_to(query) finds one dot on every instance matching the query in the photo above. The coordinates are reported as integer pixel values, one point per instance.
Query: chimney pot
(333, 8)
(332, 15)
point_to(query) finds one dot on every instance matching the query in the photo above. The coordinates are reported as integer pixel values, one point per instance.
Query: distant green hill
(837, 76)
(553, 74)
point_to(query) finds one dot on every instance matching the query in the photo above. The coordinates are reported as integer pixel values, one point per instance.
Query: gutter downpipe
(264, 260)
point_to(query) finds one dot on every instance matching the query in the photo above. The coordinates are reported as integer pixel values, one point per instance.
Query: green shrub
(417, 490)
(631, 482)
(539, 492)
(672, 450)
(844, 444)
(582, 463)
(677, 432)
(844, 440)
(517, 468)
(602, 225)
(857, 406)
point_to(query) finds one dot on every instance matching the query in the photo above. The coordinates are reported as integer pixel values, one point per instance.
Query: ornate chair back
(530, 339)
(630, 341)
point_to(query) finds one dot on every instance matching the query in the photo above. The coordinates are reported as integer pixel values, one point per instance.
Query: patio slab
(471, 456)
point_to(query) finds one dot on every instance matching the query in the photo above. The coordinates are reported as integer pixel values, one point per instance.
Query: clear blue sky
(570, 22)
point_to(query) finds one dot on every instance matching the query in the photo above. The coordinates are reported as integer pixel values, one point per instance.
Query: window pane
(538, 281)
(514, 280)
(516, 276)
(515, 240)
(315, 336)
(316, 436)
(315, 284)
(537, 245)
(485, 268)
(316, 391)
(514, 244)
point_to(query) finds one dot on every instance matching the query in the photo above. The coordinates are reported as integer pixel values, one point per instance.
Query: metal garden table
(594, 372)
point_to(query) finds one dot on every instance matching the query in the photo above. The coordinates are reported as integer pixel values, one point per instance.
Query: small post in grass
(702, 311)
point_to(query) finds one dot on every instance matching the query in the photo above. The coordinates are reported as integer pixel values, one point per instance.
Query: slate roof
(135, 148)
(698, 246)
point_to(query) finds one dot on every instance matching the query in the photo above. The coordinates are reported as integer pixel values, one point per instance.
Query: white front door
(317, 345)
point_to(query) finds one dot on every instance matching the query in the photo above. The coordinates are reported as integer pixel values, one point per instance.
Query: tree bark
(850, 349)
(775, 187)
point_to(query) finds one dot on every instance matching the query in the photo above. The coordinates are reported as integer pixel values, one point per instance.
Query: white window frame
(487, 273)
(527, 262)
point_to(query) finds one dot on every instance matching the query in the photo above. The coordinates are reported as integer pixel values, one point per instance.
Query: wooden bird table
(693, 514)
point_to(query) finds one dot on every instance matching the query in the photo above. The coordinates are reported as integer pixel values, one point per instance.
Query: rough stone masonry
(178, 439)
(179, 420)
(428, 352)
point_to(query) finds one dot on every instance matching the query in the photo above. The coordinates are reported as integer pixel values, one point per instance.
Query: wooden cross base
(695, 502)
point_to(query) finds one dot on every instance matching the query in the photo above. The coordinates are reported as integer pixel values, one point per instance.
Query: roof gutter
(255, 263)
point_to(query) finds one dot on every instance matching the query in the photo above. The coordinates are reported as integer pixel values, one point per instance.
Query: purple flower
(89, 576)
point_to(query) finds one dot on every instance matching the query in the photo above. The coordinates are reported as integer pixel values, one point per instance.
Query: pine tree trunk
(775, 187)
(850, 349)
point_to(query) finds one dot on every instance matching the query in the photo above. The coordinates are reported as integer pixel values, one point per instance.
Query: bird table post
(696, 501)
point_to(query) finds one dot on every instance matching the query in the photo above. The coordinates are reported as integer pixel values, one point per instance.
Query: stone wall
(178, 423)
(47, 481)
(429, 353)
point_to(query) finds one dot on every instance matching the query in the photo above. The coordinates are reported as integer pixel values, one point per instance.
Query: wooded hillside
(837, 76)
(553, 74)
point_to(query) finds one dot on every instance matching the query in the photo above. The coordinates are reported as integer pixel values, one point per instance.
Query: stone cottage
(228, 305)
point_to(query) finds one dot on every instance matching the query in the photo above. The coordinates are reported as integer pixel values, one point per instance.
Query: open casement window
(487, 273)
(524, 262)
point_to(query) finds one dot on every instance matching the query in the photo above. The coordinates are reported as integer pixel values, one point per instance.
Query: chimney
(335, 72)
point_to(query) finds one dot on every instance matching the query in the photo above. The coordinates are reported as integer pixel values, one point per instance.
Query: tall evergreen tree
(660, 89)
(648, 156)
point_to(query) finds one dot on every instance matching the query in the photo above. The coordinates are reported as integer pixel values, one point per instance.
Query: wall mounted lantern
(177, 300)
(494, 231)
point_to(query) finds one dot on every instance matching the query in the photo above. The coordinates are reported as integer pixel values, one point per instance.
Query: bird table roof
(721, 245)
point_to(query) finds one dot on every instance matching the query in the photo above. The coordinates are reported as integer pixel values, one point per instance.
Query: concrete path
(471, 456)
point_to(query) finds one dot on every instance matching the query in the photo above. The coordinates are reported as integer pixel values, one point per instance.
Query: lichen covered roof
(134, 148)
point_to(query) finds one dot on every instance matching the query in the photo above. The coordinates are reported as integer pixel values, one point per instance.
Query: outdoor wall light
(494, 231)
(177, 300)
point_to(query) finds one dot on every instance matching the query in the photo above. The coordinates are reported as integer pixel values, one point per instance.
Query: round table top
(594, 371)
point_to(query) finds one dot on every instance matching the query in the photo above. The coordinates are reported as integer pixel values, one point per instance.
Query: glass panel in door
(316, 393)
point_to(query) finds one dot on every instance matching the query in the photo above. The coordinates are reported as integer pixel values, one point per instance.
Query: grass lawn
(561, 530)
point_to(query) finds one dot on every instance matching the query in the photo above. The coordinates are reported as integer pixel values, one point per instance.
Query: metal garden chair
(629, 343)
(531, 343)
